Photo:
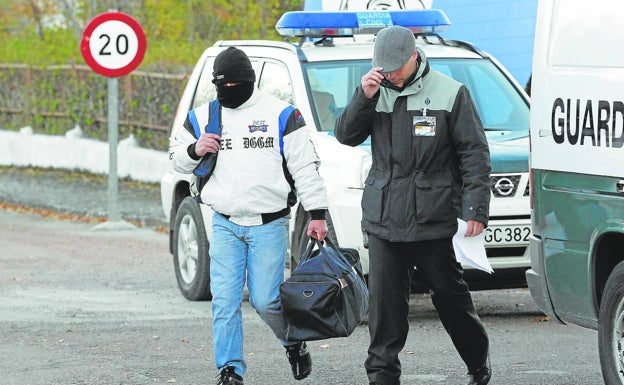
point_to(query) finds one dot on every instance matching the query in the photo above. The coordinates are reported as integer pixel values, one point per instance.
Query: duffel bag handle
(329, 243)
(308, 253)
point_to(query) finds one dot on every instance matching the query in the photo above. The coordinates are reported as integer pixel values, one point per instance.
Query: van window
(205, 91)
(499, 103)
(275, 80)
(331, 85)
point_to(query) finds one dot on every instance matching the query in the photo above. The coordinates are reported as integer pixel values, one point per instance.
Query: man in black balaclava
(234, 77)
(264, 152)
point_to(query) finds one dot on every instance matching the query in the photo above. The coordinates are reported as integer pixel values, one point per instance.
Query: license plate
(507, 235)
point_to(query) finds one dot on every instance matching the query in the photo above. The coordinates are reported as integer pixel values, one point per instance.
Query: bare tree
(38, 16)
(70, 14)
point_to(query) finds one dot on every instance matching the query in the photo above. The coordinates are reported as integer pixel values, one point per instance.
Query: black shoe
(228, 377)
(300, 360)
(480, 376)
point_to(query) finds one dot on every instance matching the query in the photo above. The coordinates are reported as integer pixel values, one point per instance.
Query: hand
(371, 81)
(474, 228)
(207, 143)
(317, 229)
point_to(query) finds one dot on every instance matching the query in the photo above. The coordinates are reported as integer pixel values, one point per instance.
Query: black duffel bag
(326, 295)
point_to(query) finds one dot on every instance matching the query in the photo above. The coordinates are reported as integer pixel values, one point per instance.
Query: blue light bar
(349, 23)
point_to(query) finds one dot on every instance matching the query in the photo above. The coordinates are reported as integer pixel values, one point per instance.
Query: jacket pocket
(373, 199)
(434, 200)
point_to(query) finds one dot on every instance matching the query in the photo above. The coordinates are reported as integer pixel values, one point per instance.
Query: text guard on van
(577, 167)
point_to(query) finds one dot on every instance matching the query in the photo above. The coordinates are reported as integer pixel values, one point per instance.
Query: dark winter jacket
(431, 162)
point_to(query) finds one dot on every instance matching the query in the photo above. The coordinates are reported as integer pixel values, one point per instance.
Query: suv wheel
(190, 252)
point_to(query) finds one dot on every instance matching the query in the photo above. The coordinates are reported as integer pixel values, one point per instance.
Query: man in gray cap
(431, 166)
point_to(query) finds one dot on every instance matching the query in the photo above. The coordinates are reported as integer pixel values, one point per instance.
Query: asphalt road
(86, 306)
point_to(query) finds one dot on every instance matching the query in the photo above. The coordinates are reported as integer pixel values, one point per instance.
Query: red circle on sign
(92, 60)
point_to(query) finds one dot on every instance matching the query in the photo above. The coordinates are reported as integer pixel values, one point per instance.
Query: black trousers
(391, 268)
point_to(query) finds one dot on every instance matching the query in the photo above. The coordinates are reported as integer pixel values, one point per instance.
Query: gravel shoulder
(80, 194)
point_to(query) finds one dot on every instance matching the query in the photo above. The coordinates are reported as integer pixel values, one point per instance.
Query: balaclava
(233, 66)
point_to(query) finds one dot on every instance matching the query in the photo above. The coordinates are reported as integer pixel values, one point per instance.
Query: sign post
(113, 44)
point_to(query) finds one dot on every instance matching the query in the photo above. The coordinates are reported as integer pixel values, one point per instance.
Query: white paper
(470, 250)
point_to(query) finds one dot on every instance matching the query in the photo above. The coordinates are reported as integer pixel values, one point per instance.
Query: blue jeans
(256, 254)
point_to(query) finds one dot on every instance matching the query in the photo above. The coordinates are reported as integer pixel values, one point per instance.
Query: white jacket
(263, 143)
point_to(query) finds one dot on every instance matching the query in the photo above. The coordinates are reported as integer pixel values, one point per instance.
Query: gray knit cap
(393, 47)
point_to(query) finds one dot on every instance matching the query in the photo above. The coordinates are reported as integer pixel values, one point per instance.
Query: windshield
(501, 107)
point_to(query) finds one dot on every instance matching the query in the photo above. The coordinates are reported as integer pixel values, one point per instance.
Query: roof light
(349, 23)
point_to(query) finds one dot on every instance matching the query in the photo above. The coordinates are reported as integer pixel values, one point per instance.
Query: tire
(611, 328)
(303, 238)
(191, 260)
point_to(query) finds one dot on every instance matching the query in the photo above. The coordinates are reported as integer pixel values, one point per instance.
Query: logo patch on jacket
(258, 142)
(258, 125)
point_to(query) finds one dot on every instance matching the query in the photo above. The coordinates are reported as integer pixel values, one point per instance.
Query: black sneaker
(300, 360)
(228, 377)
(480, 376)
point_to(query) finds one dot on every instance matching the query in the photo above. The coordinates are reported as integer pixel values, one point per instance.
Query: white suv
(318, 75)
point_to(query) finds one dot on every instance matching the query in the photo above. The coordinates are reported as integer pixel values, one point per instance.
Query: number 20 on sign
(113, 44)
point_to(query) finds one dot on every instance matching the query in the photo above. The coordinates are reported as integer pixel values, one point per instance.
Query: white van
(577, 166)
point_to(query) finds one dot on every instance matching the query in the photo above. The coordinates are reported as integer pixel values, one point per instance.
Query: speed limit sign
(113, 44)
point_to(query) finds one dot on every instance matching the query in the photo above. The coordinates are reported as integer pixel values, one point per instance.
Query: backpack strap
(207, 163)
(214, 121)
